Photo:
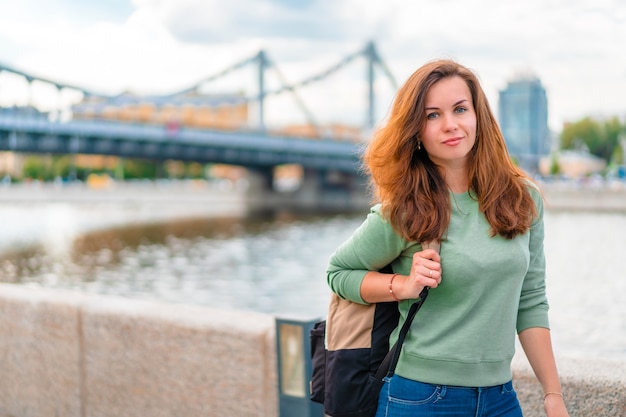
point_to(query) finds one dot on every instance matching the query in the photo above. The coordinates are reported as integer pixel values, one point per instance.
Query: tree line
(55, 167)
(605, 138)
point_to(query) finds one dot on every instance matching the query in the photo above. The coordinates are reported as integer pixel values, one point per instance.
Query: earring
(419, 145)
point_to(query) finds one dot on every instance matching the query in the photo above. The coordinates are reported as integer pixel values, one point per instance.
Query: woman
(441, 172)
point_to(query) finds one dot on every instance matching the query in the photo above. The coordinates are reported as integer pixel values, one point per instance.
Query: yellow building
(227, 112)
(572, 164)
(11, 164)
(334, 131)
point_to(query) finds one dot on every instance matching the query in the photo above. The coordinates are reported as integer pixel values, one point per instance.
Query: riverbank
(57, 213)
(585, 196)
(221, 193)
(222, 196)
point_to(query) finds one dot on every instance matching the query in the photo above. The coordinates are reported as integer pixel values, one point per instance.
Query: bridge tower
(263, 64)
(373, 59)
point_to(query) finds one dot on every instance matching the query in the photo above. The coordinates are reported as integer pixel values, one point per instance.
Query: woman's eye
(461, 110)
(431, 116)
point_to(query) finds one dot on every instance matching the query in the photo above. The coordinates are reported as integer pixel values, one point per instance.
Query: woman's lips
(453, 141)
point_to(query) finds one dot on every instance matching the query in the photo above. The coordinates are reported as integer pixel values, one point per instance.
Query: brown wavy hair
(414, 195)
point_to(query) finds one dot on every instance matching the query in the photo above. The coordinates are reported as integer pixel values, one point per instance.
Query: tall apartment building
(523, 118)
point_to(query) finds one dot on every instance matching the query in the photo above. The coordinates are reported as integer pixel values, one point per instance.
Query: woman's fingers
(426, 268)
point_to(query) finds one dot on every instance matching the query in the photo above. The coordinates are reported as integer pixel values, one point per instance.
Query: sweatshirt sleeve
(372, 246)
(533, 306)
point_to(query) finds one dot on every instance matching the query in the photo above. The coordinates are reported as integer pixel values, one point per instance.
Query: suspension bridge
(328, 162)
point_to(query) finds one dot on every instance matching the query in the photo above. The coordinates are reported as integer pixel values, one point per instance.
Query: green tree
(194, 170)
(600, 138)
(555, 167)
(140, 169)
(583, 132)
(36, 167)
(613, 129)
(617, 158)
(62, 166)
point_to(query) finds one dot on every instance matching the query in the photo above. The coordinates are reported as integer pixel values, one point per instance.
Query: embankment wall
(68, 354)
(71, 354)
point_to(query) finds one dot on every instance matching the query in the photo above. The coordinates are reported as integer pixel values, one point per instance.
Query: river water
(274, 262)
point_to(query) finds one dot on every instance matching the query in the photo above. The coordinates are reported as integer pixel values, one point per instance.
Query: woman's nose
(449, 122)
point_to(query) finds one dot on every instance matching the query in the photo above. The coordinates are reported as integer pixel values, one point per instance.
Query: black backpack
(350, 353)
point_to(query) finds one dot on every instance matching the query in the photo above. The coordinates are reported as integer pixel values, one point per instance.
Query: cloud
(216, 21)
(159, 46)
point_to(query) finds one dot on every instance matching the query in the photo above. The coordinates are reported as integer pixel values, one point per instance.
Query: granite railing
(69, 354)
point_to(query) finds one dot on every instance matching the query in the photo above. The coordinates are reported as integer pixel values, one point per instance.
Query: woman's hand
(425, 272)
(378, 287)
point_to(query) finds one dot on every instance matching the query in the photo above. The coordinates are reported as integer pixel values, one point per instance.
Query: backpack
(350, 353)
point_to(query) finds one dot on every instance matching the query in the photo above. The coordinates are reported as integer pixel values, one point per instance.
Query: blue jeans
(401, 397)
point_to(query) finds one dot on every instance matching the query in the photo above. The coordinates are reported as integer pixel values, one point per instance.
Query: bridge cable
(320, 76)
(307, 113)
(385, 69)
(30, 78)
(214, 77)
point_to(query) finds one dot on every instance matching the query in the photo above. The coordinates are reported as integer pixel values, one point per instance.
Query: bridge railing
(255, 149)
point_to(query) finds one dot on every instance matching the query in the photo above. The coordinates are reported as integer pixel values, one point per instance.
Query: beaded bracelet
(550, 393)
(391, 288)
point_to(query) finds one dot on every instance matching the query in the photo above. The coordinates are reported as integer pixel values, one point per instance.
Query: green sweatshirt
(491, 287)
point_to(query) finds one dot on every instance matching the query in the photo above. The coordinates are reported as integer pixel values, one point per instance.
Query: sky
(575, 48)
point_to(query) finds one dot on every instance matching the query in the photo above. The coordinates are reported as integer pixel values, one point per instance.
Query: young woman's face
(450, 130)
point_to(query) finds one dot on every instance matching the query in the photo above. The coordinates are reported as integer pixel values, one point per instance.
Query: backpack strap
(388, 365)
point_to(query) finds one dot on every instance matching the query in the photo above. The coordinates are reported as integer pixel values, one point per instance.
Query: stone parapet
(75, 355)
(40, 351)
(70, 354)
(591, 387)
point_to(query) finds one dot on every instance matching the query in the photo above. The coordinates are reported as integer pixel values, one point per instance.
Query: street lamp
(294, 369)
